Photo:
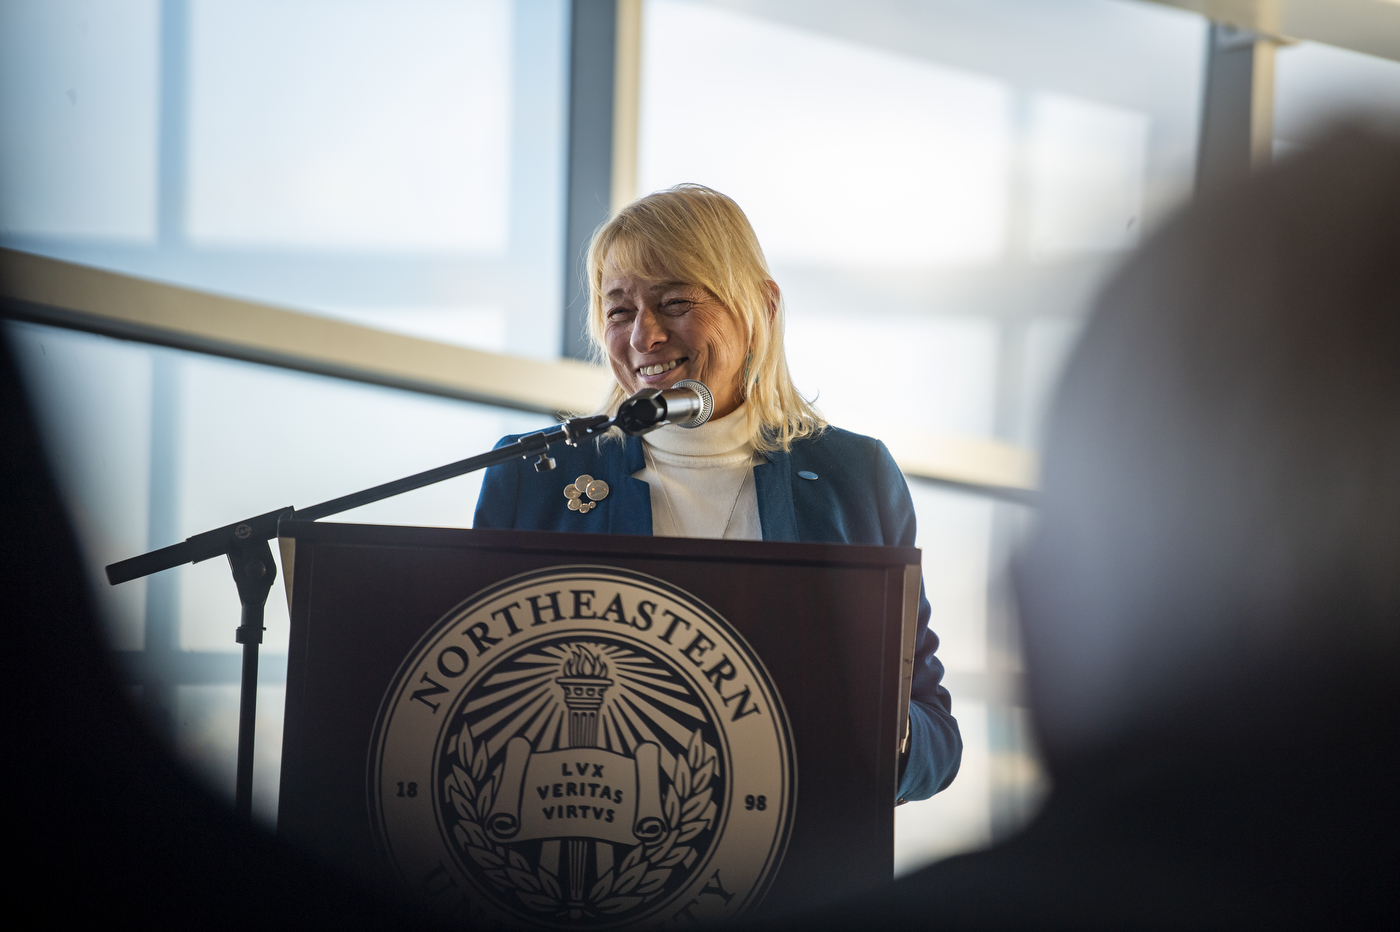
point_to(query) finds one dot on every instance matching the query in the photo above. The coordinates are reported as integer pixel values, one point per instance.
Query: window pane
(955, 533)
(395, 164)
(981, 166)
(92, 398)
(78, 118)
(940, 189)
(1088, 166)
(960, 817)
(838, 152)
(154, 445)
(312, 439)
(350, 125)
(1315, 86)
(208, 740)
(937, 374)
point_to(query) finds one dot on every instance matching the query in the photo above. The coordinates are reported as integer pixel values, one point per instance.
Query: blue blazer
(859, 497)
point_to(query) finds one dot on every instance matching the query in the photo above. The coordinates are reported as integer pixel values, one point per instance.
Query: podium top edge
(586, 546)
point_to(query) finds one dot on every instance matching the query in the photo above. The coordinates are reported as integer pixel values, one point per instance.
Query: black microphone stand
(245, 543)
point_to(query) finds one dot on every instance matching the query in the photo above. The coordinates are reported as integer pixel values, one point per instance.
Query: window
(154, 445)
(939, 188)
(399, 165)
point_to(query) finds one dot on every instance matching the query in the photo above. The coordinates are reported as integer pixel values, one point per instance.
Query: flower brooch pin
(585, 493)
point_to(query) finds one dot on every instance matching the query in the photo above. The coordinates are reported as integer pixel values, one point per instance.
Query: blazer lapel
(630, 511)
(773, 486)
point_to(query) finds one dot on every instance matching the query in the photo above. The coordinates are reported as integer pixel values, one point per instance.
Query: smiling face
(659, 331)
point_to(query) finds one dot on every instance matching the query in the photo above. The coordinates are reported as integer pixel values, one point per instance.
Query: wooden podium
(403, 635)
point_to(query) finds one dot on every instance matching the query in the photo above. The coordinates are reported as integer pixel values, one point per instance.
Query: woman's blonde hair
(697, 235)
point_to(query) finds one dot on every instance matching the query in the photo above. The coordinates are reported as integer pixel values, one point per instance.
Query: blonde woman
(679, 289)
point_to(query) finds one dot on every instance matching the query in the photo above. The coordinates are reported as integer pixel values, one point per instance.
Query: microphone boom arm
(221, 541)
(250, 557)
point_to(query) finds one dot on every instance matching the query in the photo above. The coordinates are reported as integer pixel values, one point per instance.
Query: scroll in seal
(583, 747)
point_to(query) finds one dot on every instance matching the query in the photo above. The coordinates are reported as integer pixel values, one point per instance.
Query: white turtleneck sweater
(702, 480)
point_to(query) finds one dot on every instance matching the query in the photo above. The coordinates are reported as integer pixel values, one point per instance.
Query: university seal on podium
(583, 747)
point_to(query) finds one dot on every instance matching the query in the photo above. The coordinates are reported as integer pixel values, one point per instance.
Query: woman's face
(659, 331)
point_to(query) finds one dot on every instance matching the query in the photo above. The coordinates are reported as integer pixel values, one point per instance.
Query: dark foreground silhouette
(1211, 599)
(102, 825)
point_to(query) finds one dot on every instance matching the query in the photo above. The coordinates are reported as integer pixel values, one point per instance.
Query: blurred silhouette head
(1221, 524)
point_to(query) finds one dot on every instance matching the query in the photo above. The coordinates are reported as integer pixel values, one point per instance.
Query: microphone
(688, 403)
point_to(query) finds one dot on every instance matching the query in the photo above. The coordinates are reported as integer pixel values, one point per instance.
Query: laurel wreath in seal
(687, 805)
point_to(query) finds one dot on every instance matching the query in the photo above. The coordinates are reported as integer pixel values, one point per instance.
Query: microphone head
(686, 404)
(707, 402)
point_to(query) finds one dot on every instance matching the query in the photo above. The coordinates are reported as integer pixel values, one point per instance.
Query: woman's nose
(647, 332)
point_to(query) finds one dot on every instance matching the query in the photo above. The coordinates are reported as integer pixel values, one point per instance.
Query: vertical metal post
(627, 100)
(161, 635)
(1237, 112)
(174, 89)
(592, 72)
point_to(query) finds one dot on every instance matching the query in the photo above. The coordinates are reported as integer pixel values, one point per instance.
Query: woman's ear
(774, 296)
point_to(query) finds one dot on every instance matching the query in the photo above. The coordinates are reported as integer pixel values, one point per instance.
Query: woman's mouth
(660, 368)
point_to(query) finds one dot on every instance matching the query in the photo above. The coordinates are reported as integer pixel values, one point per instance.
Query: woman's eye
(620, 313)
(677, 306)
